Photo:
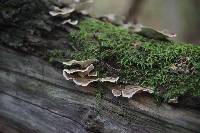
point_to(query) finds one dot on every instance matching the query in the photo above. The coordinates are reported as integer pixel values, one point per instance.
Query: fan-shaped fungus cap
(61, 11)
(85, 74)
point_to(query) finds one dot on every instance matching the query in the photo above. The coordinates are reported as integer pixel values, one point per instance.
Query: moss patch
(171, 68)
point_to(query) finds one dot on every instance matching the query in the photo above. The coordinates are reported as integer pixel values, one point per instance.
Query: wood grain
(35, 98)
(35, 94)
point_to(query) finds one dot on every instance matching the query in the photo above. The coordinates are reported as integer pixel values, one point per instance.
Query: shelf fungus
(61, 11)
(69, 21)
(72, 6)
(149, 32)
(128, 90)
(83, 72)
(154, 34)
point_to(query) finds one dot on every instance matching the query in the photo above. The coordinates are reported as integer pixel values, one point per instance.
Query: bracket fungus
(61, 11)
(83, 64)
(86, 73)
(168, 67)
(154, 34)
(80, 6)
(149, 32)
(64, 13)
(72, 22)
(128, 90)
(83, 72)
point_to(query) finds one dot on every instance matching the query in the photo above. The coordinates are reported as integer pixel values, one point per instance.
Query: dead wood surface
(34, 96)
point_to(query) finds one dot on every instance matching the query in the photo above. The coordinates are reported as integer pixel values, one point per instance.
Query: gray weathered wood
(36, 95)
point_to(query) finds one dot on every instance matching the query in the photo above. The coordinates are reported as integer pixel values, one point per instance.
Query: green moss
(147, 64)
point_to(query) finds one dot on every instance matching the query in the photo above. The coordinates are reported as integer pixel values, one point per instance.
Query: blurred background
(179, 16)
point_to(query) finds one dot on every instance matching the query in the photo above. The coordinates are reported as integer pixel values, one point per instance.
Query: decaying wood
(35, 97)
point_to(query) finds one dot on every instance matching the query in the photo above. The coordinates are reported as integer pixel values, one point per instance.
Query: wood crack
(109, 101)
(46, 109)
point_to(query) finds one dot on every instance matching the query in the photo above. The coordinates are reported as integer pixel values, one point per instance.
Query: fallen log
(35, 97)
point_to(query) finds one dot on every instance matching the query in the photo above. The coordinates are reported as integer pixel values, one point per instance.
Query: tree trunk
(34, 96)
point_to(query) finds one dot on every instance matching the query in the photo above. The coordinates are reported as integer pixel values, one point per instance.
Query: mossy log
(34, 96)
(171, 68)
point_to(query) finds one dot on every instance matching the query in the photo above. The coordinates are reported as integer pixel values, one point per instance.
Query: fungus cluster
(83, 73)
(71, 6)
(64, 13)
(129, 90)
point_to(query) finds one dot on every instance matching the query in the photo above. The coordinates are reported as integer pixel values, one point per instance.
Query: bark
(34, 96)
